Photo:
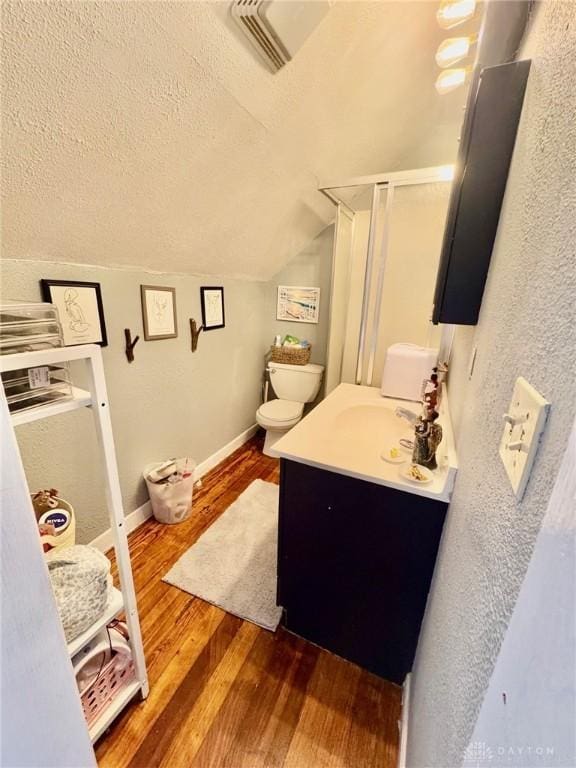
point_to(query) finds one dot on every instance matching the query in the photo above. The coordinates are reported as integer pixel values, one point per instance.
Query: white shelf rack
(80, 399)
(114, 607)
(123, 697)
(124, 599)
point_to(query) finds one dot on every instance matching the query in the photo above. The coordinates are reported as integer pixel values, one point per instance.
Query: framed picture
(159, 312)
(80, 308)
(298, 304)
(212, 300)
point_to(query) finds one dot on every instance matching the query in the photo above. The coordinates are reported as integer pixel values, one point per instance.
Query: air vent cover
(277, 28)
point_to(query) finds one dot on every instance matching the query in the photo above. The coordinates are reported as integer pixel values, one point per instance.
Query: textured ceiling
(149, 133)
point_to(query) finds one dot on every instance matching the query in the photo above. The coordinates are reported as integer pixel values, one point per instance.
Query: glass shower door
(414, 232)
(386, 254)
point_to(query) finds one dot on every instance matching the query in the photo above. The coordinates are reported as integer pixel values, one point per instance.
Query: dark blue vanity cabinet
(355, 562)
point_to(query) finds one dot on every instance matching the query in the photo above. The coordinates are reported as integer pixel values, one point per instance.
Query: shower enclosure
(387, 241)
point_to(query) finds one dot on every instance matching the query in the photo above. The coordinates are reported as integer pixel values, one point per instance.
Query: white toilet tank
(300, 383)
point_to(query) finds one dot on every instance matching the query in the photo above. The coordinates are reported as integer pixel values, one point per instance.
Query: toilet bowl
(294, 385)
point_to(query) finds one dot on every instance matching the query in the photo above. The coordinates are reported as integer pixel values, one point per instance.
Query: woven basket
(291, 355)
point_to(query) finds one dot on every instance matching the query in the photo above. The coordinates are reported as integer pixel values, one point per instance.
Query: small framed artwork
(298, 304)
(159, 312)
(212, 300)
(80, 309)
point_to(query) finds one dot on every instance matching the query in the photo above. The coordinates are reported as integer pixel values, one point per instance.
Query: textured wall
(535, 725)
(459, 376)
(527, 327)
(168, 402)
(312, 267)
(139, 131)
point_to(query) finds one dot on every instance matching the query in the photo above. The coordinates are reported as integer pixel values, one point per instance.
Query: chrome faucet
(404, 413)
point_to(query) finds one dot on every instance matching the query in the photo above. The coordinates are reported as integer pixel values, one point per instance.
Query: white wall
(527, 327)
(167, 402)
(356, 291)
(42, 724)
(340, 289)
(528, 717)
(461, 364)
(139, 131)
(312, 267)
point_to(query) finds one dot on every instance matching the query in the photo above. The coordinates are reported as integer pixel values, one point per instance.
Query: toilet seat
(279, 414)
(281, 410)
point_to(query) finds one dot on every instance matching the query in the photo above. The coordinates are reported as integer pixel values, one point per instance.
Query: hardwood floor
(225, 693)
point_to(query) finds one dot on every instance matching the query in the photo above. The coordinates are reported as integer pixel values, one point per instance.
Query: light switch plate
(524, 425)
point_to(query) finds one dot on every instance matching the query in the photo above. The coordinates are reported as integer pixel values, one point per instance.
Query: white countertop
(348, 431)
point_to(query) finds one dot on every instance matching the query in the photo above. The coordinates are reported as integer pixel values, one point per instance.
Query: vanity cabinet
(355, 562)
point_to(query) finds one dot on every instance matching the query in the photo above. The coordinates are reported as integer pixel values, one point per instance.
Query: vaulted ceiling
(149, 133)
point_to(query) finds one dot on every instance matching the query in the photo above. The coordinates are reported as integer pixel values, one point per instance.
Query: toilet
(293, 385)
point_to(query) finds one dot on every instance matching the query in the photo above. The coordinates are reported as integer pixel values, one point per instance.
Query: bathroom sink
(348, 432)
(365, 429)
(370, 421)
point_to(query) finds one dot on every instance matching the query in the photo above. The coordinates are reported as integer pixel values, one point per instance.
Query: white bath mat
(233, 564)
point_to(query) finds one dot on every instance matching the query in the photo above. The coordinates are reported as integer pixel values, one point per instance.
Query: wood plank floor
(227, 694)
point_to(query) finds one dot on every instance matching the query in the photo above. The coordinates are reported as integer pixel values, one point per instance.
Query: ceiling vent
(278, 28)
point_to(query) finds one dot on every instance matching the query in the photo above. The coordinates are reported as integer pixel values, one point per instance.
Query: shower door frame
(342, 211)
(379, 183)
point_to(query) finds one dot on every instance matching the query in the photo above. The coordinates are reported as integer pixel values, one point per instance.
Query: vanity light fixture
(453, 50)
(454, 12)
(446, 173)
(450, 79)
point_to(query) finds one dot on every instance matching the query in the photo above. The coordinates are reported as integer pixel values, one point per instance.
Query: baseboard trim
(209, 463)
(134, 520)
(104, 542)
(404, 721)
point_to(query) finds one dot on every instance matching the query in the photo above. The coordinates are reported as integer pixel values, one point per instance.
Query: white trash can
(172, 501)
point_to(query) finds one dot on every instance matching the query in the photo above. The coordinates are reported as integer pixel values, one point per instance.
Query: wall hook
(195, 333)
(130, 345)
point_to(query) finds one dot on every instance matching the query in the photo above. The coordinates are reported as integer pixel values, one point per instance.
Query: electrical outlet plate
(524, 425)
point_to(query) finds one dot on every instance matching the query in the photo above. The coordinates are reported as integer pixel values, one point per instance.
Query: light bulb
(454, 12)
(450, 79)
(452, 50)
(446, 173)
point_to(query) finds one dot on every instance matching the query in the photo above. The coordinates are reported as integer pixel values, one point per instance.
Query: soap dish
(417, 474)
(393, 455)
